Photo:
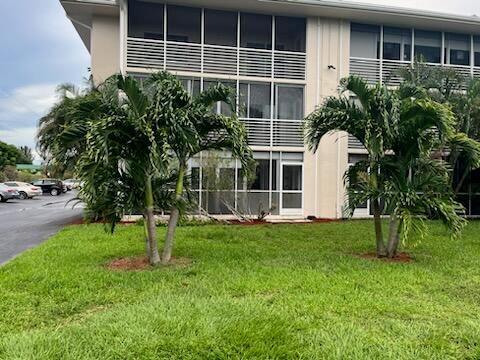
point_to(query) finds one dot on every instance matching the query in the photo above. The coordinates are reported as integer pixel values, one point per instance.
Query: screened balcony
(378, 52)
(186, 39)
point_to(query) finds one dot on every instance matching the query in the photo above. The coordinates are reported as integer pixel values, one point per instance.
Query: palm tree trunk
(145, 227)
(393, 237)
(152, 248)
(173, 220)
(377, 219)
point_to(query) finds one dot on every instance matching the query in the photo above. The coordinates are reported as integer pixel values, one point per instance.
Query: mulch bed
(263, 222)
(129, 264)
(83, 222)
(140, 263)
(402, 258)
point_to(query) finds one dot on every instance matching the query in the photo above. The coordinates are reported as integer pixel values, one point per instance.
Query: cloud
(464, 7)
(23, 106)
(20, 137)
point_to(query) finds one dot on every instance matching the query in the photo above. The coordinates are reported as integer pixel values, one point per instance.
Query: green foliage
(10, 155)
(447, 86)
(26, 155)
(405, 133)
(126, 137)
(244, 296)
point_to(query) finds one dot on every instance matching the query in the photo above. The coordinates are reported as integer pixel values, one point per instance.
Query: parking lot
(26, 223)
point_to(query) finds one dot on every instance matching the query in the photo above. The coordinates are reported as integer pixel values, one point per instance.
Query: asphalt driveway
(26, 223)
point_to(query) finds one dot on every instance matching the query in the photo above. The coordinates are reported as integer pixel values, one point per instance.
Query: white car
(72, 184)
(25, 191)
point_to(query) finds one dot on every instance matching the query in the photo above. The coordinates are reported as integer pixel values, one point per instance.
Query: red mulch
(83, 222)
(400, 258)
(263, 222)
(129, 264)
(141, 263)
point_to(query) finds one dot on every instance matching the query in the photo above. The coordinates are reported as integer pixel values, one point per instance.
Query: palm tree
(196, 128)
(404, 132)
(27, 155)
(123, 157)
(132, 142)
(369, 114)
(53, 144)
(447, 86)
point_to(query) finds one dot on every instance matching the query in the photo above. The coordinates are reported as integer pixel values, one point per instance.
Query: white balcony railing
(354, 143)
(389, 71)
(266, 132)
(211, 59)
(366, 68)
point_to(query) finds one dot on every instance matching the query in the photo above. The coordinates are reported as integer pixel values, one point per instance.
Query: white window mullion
(165, 19)
(273, 48)
(270, 188)
(273, 108)
(472, 55)
(442, 53)
(200, 182)
(238, 43)
(380, 55)
(412, 54)
(235, 190)
(202, 40)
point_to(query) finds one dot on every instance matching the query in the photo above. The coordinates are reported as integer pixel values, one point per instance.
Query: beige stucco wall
(105, 47)
(328, 43)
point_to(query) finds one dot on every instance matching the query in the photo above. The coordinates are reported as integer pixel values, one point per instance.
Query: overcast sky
(39, 49)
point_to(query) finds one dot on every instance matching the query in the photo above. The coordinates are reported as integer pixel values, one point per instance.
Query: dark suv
(53, 187)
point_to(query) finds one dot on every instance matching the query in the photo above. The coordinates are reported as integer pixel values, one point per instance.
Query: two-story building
(283, 57)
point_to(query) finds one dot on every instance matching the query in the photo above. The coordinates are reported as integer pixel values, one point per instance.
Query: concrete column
(105, 47)
(328, 44)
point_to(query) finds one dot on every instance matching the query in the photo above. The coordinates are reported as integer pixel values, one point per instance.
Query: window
(262, 176)
(183, 24)
(364, 42)
(221, 107)
(195, 178)
(397, 44)
(290, 33)
(191, 85)
(256, 31)
(457, 49)
(476, 49)
(221, 28)
(289, 104)
(255, 100)
(428, 45)
(145, 20)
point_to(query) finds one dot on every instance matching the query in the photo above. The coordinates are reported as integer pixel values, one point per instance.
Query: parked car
(72, 184)
(53, 187)
(8, 193)
(25, 190)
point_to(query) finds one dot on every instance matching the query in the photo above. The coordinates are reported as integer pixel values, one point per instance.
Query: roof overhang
(354, 11)
(81, 12)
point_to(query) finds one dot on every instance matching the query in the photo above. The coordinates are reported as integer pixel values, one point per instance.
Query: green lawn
(260, 292)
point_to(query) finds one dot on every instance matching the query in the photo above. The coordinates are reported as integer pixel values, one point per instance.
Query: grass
(260, 292)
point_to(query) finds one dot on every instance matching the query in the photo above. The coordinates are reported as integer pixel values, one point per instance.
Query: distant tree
(10, 155)
(27, 155)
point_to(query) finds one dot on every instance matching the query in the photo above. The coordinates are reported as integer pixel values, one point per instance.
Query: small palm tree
(194, 129)
(132, 141)
(405, 134)
(369, 114)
